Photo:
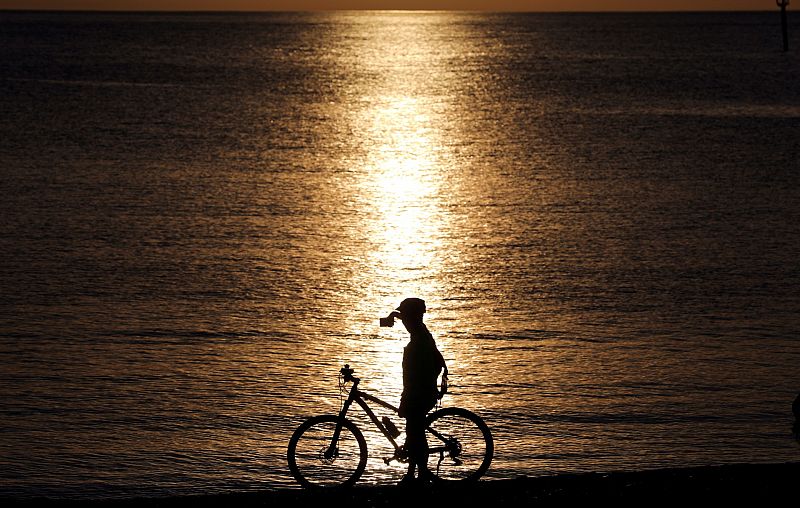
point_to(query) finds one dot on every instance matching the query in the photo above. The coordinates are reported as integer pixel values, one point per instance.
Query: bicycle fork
(332, 452)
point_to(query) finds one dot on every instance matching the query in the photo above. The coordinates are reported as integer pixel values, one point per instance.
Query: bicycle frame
(360, 398)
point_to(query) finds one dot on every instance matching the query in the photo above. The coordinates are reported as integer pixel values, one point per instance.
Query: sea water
(202, 218)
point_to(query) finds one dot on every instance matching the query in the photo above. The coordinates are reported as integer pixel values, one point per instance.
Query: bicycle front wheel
(317, 460)
(460, 445)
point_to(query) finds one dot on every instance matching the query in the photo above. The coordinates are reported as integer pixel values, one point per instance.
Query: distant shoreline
(211, 11)
(728, 483)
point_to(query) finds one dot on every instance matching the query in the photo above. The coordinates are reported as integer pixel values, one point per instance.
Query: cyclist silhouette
(329, 450)
(422, 363)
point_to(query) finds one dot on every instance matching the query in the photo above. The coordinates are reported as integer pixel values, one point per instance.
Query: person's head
(411, 310)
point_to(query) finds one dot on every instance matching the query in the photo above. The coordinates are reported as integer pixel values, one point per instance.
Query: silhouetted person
(422, 363)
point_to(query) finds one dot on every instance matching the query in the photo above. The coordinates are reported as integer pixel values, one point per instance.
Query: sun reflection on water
(402, 188)
(400, 183)
(404, 185)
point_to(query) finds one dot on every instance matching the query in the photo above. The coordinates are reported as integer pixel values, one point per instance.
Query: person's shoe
(408, 481)
(425, 476)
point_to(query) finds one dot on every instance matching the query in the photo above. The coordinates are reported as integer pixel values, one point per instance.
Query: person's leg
(416, 443)
(410, 435)
(421, 460)
(410, 473)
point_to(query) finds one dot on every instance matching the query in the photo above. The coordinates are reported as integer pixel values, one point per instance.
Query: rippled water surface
(203, 217)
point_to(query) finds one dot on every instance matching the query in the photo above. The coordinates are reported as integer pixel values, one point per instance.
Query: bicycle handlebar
(347, 373)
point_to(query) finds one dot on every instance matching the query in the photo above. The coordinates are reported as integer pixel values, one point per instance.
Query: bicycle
(329, 451)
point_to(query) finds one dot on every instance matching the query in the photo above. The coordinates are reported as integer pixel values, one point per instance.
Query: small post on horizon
(784, 23)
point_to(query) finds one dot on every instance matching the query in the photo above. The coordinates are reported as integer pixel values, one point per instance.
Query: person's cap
(412, 306)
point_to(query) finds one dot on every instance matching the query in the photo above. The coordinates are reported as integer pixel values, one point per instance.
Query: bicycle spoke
(320, 462)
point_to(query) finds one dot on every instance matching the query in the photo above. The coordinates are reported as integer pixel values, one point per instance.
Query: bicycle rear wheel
(460, 445)
(316, 461)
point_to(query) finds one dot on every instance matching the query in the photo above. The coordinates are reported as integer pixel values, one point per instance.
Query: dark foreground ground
(776, 484)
